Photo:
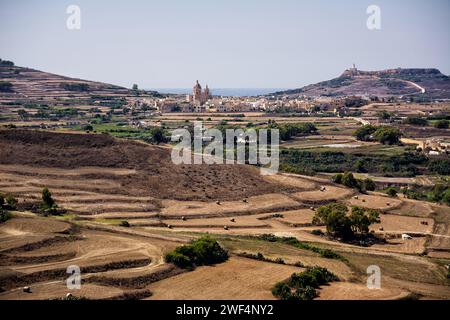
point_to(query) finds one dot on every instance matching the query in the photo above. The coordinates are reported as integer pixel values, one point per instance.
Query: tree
(442, 124)
(158, 135)
(359, 165)
(362, 218)
(2, 200)
(337, 178)
(349, 180)
(23, 114)
(387, 135)
(335, 218)
(369, 184)
(47, 200)
(365, 132)
(384, 115)
(340, 224)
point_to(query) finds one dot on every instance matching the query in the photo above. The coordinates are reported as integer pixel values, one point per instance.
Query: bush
(369, 184)
(337, 178)
(79, 87)
(387, 135)
(4, 216)
(2, 200)
(88, 127)
(416, 121)
(302, 286)
(349, 180)
(178, 259)
(6, 86)
(10, 200)
(203, 251)
(47, 200)
(442, 124)
(125, 224)
(391, 191)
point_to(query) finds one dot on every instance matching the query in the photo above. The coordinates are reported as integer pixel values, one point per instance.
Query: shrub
(4, 215)
(125, 224)
(6, 86)
(88, 127)
(80, 87)
(302, 286)
(337, 178)
(349, 180)
(10, 200)
(369, 184)
(442, 124)
(179, 260)
(391, 191)
(416, 121)
(203, 251)
(47, 200)
(2, 200)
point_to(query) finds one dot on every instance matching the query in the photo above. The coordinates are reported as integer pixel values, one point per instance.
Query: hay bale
(225, 228)
(27, 289)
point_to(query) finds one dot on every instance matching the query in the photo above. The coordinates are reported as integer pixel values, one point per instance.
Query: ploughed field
(102, 181)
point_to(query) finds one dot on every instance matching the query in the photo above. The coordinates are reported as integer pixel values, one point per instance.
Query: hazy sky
(245, 43)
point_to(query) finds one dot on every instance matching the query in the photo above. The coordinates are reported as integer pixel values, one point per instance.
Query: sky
(227, 44)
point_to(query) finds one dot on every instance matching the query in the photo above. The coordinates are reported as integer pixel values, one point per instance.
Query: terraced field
(101, 182)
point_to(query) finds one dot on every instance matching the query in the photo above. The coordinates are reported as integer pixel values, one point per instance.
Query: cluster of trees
(438, 193)
(302, 286)
(79, 87)
(417, 121)
(6, 63)
(383, 134)
(348, 179)
(203, 251)
(403, 165)
(290, 130)
(341, 224)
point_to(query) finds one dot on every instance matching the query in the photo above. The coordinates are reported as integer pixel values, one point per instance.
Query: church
(199, 96)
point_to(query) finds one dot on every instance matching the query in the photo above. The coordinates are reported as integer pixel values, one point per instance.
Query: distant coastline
(231, 92)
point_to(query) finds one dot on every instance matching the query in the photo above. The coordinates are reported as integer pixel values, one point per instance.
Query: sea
(226, 92)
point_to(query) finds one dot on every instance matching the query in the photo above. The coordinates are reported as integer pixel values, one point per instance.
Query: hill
(428, 83)
(34, 85)
(149, 169)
